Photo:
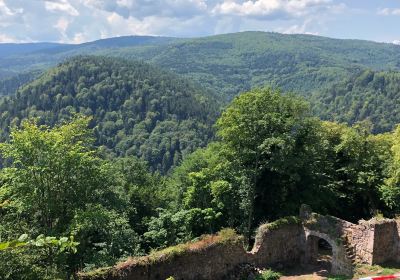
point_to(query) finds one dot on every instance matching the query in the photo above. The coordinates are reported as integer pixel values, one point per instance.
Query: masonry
(288, 241)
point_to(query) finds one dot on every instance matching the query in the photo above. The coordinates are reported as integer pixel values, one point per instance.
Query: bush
(269, 275)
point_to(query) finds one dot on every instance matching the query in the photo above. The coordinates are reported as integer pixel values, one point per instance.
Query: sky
(77, 21)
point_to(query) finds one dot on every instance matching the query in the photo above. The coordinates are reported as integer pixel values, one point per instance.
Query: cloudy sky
(76, 21)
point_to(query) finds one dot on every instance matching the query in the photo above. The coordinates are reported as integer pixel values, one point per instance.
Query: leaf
(63, 240)
(23, 237)
(4, 245)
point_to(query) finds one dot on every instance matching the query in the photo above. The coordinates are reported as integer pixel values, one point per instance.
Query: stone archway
(320, 252)
(340, 264)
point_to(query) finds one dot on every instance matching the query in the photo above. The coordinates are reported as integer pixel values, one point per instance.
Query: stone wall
(213, 262)
(287, 241)
(362, 238)
(283, 245)
(386, 239)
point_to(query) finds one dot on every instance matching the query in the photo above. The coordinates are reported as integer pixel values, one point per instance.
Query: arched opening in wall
(320, 253)
(324, 258)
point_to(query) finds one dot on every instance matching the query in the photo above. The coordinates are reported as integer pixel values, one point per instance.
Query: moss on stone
(223, 237)
(291, 220)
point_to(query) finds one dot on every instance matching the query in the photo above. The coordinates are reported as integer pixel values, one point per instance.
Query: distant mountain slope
(7, 49)
(366, 95)
(138, 109)
(231, 63)
(10, 84)
(236, 62)
(44, 58)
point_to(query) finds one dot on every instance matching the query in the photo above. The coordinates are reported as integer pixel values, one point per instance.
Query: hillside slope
(232, 63)
(137, 109)
(367, 95)
(39, 58)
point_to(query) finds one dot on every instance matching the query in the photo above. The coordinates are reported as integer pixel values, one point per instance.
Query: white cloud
(396, 42)
(270, 8)
(389, 12)
(145, 8)
(299, 29)
(62, 24)
(61, 6)
(78, 38)
(85, 20)
(6, 38)
(4, 10)
(7, 14)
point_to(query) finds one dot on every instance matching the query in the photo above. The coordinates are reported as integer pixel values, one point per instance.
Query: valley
(133, 149)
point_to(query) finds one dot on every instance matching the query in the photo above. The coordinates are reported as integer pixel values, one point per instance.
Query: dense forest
(231, 63)
(137, 109)
(225, 65)
(368, 95)
(270, 156)
(9, 85)
(102, 157)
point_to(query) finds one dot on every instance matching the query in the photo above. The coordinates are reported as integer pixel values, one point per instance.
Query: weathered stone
(285, 242)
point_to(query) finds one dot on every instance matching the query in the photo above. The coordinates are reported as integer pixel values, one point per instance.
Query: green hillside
(137, 109)
(231, 63)
(9, 85)
(368, 95)
(236, 62)
(228, 64)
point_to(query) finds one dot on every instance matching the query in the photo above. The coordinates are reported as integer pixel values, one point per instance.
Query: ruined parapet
(287, 241)
(280, 242)
(385, 240)
(212, 257)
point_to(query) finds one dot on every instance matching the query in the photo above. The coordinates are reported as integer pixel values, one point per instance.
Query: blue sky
(76, 21)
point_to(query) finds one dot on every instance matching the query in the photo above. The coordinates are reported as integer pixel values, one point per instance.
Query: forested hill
(368, 95)
(137, 108)
(316, 67)
(10, 85)
(232, 63)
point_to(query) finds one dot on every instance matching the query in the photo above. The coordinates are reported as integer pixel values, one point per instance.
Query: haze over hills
(9, 49)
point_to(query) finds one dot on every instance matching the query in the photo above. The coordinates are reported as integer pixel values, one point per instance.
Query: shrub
(269, 275)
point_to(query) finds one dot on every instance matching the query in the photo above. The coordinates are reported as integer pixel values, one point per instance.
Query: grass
(291, 220)
(370, 270)
(262, 229)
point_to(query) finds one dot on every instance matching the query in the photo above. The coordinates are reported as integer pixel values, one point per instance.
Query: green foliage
(391, 187)
(367, 95)
(176, 227)
(137, 109)
(232, 63)
(9, 85)
(267, 134)
(269, 275)
(270, 157)
(64, 243)
(291, 220)
(54, 184)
